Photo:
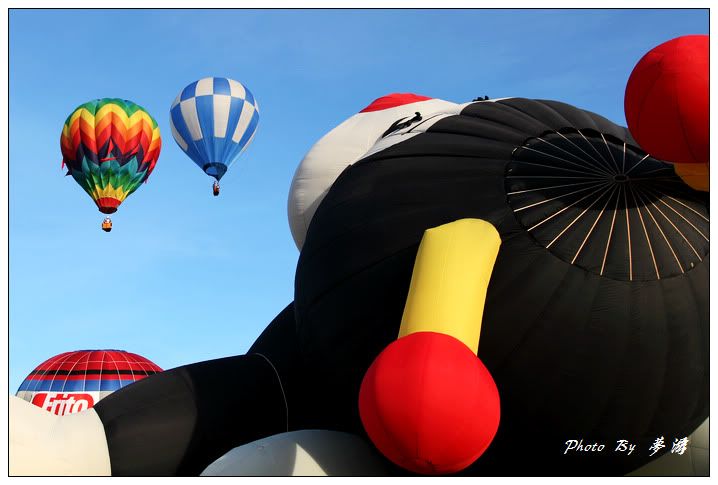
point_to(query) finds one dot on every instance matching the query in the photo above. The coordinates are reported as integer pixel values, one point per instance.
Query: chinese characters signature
(574, 446)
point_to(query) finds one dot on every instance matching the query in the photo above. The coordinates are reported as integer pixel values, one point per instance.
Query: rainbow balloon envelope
(110, 146)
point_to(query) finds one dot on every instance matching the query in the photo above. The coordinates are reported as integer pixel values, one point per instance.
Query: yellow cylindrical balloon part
(451, 275)
(695, 175)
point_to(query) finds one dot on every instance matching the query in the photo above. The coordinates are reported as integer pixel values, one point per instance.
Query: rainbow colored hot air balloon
(110, 146)
(74, 381)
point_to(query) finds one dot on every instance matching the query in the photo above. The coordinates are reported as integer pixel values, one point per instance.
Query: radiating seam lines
(64, 383)
(84, 378)
(661, 169)
(578, 217)
(610, 232)
(547, 177)
(678, 231)
(645, 231)
(559, 196)
(637, 164)
(102, 369)
(559, 167)
(49, 363)
(672, 178)
(623, 163)
(119, 376)
(582, 150)
(595, 150)
(566, 208)
(563, 169)
(683, 217)
(613, 189)
(680, 266)
(608, 149)
(549, 187)
(689, 208)
(596, 168)
(129, 365)
(59, 367)
(628, 232)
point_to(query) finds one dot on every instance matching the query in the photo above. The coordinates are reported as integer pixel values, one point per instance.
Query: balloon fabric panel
(87, 370)
(74, 381)
(203, 410)
(213, 121)
(667, 100)
(110, 146)
(574, 348)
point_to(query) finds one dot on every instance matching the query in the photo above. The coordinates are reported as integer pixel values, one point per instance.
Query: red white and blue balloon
(74, 381)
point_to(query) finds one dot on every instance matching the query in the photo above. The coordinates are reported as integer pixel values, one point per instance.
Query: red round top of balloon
(74, 381)
(666, 101)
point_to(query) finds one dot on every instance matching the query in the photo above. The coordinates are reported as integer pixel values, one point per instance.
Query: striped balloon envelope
(74, 381)
(213, 120)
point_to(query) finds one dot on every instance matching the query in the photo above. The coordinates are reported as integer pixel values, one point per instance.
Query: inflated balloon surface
(110, 146)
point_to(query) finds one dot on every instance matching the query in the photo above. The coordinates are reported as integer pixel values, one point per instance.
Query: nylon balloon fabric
(73, 381)
(667, 103)
(213, 121)
(596, 318)
(110, 146)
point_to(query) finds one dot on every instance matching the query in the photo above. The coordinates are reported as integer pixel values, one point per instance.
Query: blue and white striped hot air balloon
(213, 121)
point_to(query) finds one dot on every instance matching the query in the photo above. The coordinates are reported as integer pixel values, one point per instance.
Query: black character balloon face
(596, 319)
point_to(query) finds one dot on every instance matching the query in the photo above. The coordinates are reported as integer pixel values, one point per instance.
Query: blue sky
(185, 277)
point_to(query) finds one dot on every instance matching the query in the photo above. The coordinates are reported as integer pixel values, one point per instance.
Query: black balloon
(599, 344)
(596, 318)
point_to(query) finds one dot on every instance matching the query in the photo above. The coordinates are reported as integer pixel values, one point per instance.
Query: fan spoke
(566, 194)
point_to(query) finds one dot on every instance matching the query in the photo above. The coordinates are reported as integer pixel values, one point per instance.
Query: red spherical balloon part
(429, 404)
(666, 101)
